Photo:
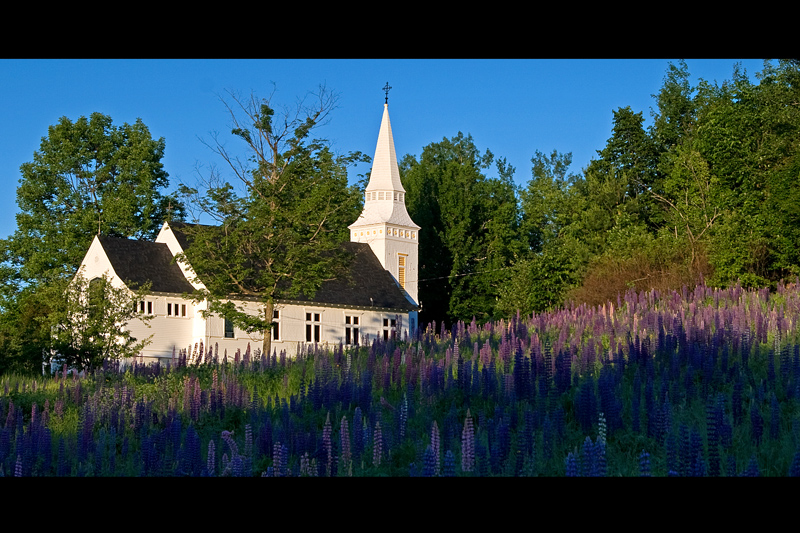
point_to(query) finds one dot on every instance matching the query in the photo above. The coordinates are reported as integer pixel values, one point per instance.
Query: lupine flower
(752, 468)
(601, 429)
(435, 447)
(468, 445)
(571, 466)
(210, 463)
(344, 436)
(429, 463)
(377, 445)
(403, 416)
(644, 464)
(327, 445)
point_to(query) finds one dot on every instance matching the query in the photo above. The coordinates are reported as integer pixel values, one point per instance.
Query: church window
(276, 327)
(228, 328)
(389, 328)
(395, 197)
(149, 308)
(313, 327)
(169, 309)
(401, 269)
(380, 195)
(351, 328)
(183, 309)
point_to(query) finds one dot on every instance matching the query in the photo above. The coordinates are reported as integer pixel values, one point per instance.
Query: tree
(470, 227)
(555, 253)
(88, 319)
(279, 234)
(88, 177)
(631, 152)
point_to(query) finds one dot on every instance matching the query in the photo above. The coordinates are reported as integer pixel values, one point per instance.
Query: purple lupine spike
(468, 445)
(227, 436)
(210, 464)
(435, 447)
(18, 467)
(276, 460)
(237, 466)
(344, 435)
(248, 440)
(327, 445)
(377, 445)
(449, 469)
(224, 466)
(429, 466)
(571, 466)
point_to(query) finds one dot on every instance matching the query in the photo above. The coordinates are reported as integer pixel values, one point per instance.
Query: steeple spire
(384, 222)
(385, 174)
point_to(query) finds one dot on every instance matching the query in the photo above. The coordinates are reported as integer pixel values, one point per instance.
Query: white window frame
(389, 328)
(313, 320)
(225, 322)
(275, 331)
(352, 329)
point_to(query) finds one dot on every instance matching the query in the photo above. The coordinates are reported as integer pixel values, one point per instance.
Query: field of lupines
(696, 383)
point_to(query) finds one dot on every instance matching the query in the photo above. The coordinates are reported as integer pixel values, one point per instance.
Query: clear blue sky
(511, 106)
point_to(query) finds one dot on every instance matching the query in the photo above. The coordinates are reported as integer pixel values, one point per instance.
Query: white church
(378, 297)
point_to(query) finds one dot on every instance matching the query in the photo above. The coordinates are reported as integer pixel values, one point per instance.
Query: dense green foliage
(469, 228)
(281, 223)
(88, 177)
(707, 192)
(87, 322)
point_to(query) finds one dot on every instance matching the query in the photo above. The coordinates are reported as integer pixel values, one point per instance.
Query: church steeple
(384, 222)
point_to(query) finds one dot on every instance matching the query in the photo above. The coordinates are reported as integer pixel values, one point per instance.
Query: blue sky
(511, 106)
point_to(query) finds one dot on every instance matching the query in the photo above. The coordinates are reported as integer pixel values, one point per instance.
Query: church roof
(137, 262)
(384, 178)
(181, 236)
(367, 284)
(385, 174)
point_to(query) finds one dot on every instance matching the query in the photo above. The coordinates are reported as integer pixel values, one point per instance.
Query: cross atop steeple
(386, 88)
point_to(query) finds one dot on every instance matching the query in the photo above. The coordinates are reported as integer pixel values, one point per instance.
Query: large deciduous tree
(555, 252)
(470, 228)
(87, 177)
(281, 219)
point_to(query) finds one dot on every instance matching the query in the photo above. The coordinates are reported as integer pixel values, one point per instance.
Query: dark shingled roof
(180, 234)
(367, 284)
(137, 262)
(142, 261)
